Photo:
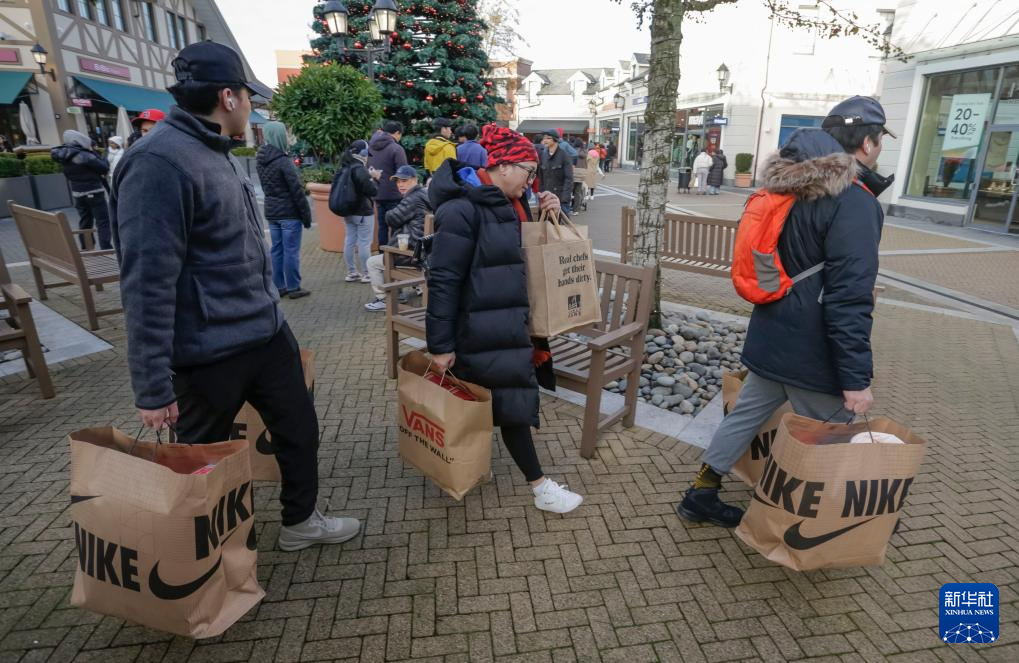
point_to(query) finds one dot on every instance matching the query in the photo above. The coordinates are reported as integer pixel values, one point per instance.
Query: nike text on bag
(824, 503)
(757, 271)
(751, 463)
(446, 438)
(562, 285)
(343, 195)
(156, 544)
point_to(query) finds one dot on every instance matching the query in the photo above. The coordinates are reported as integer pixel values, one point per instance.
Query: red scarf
(517, 205)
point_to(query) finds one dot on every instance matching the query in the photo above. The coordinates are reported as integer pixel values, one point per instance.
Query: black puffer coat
(718, 165)
(818, 336)
(281, 183)
(555, 174)
(477, 294)
(409, 217)
(84, 169)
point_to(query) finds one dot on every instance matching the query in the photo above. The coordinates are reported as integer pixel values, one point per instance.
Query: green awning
(11, 85)
(131, 97)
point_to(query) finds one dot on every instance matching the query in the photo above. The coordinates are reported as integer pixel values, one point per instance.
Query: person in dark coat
(555, 174)
(86, 171)
(286, 209)
(610, 156)
(477, 318)
(359, 224)
(718, 165)
(386, 155)
(469, 151)
(812, 347)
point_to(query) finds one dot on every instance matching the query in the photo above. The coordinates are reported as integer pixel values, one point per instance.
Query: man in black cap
(555, 170)
(205, 332)
(811, 347)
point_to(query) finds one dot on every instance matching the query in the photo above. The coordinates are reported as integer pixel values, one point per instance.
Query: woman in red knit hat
(477, 295)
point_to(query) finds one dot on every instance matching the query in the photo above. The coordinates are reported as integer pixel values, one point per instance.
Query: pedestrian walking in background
(477, 296)
(610, 156)
(718, 165)
(385, 154)
(407, 218)
(811, 347)
(469, 151)
(439, 147)
(555, 172)
(205, 332)
(86, 171)
(286, 209)
(593, 172)
(701, 168)
(363, 185)
(114, 152)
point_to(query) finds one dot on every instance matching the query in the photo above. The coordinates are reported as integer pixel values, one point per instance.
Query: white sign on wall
(965, 125)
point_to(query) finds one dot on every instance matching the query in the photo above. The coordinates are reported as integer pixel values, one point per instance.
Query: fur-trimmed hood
(811, 165)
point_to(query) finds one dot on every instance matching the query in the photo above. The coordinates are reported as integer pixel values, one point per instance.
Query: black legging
(520, 444)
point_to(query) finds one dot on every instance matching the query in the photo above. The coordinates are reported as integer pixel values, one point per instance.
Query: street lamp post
(41, 56)
(723, 79)
(381, 24)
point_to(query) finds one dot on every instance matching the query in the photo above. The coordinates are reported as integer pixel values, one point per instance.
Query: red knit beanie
(506, 146)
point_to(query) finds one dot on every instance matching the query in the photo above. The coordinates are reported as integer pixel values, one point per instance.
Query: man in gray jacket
(204, 329)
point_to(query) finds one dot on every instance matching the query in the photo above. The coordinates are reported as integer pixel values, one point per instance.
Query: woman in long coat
(478, 310)
(718, 165)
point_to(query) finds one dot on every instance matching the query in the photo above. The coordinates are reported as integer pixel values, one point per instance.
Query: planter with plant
(328, 106)
(744, 162)
(14, 184)
(51, 188)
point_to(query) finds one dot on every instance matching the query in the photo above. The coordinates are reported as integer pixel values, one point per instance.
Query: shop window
(64, 5)
(149, 15)
(100, 10)
(182, 31)
(85, 9)
(171, 30)
(956, 108)
(117, 9)
(635, 140)
(791, 123)
(1008, 101)
(201, 32)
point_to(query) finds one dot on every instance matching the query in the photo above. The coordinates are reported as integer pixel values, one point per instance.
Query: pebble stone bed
(684, 362)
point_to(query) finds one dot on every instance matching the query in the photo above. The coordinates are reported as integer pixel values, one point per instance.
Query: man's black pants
(269, 377)
(93, 212)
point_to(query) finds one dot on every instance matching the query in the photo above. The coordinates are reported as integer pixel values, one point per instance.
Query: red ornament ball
(449, 43)
(480, 97)
(358, 44)
(488, 83)
(462, 100)
(409, 83)
(429, 98)
(407, 45)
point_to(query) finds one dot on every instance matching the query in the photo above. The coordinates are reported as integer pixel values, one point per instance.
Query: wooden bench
(689, 243)
(18, 332)
(50, 244)
(583, 365)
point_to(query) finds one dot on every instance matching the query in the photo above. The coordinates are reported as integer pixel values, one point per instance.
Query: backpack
(343, 196)
(757, 271)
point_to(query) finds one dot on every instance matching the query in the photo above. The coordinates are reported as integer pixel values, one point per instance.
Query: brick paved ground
(991, 276)
(894, 238)
(491, 578)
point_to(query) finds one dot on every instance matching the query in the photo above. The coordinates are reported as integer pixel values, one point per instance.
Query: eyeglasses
(531, 172)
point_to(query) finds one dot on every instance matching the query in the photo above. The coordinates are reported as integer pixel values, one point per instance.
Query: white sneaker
(366, 279)
(550, 496)
(352, 278)
(376, 305)
(318, 529)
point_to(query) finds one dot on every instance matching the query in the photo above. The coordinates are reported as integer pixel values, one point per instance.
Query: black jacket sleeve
(93, 162)
(850, 271)
(295, 186)
(449, 268)
(566, 195)
(366, 186)
(411, 210)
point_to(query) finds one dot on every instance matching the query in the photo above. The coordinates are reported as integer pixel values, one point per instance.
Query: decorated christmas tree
(435, 68)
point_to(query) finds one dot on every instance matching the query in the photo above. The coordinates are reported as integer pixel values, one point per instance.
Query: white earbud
(230, 104)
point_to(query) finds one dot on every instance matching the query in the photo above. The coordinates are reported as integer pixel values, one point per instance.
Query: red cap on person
(149, 115)
(506, 146)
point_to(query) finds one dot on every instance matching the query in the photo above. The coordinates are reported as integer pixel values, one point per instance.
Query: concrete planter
(51, 191)
(18, 189)
(332, 229)
(742, 180)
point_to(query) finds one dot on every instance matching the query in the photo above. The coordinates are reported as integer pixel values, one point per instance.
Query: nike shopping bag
(562, 285)
(446, 434)
(749, 466)
(164, 532)
(824, 502)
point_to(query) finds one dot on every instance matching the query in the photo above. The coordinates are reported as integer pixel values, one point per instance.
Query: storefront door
(994, 201)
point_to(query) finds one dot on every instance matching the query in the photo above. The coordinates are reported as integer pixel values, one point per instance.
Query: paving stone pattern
(492, 578)
(991, 276)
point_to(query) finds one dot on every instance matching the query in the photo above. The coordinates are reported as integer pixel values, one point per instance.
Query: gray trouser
(757, 402)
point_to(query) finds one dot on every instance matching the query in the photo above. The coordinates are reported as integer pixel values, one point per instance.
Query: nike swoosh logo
(167, 592)
(263, 445)
(82, 498)
(797, 541)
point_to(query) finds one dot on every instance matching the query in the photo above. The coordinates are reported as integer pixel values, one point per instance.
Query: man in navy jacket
(812, 347)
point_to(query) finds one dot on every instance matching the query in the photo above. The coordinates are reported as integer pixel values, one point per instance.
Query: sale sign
(965, 125)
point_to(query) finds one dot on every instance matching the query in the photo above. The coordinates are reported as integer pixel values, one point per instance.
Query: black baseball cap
(209, 62)
(441, 122)
(857, 111)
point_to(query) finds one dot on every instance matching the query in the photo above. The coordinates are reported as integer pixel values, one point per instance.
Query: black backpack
(343, 197)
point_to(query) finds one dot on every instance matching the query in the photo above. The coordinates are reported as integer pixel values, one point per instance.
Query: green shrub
(8, 155)
(244, 151)
(42, 165)
(11, 168)
(318, 175)
(743, 162)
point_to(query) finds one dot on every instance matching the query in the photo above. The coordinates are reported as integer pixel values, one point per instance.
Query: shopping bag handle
(866, 419)
(137, 439)
(452, 378)
(557, 219)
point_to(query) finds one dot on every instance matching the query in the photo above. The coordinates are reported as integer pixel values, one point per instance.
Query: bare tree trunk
(660, 123)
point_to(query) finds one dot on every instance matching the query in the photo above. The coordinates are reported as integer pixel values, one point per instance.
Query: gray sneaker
(318, 529)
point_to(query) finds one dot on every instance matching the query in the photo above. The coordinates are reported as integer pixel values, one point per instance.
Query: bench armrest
(406, 283)
(90, 237)
(617, 337)
(15, 293)
(102, 252)
(396, 251)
